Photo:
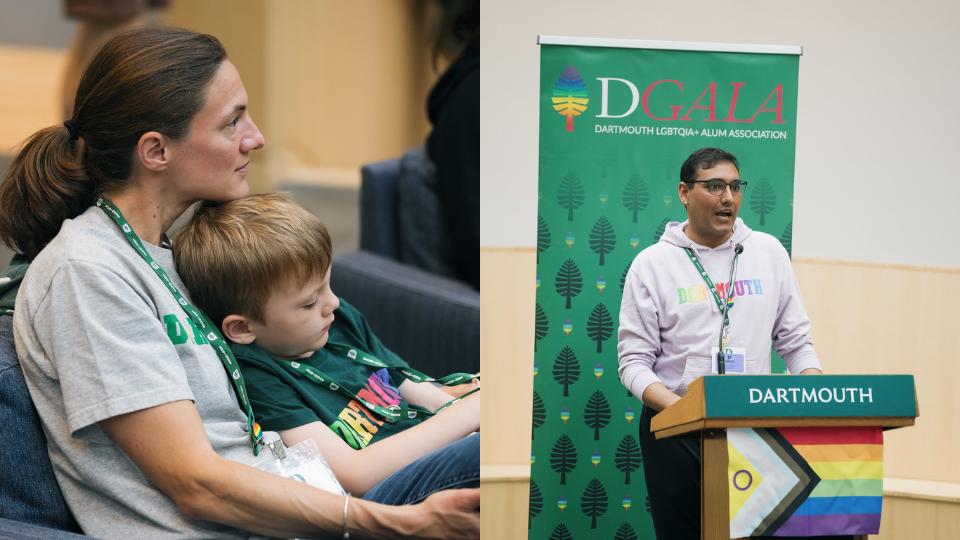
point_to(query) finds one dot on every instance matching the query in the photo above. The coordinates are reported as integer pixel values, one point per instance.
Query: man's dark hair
(705, 158)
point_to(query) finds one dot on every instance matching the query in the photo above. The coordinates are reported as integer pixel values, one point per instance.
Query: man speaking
(709, 281)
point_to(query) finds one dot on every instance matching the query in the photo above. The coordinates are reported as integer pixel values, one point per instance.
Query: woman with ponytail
(149, 435)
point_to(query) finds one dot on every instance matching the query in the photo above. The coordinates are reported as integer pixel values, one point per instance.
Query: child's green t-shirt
(283, 399)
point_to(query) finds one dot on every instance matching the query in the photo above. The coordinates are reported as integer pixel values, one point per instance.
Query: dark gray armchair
(398, 281)
(31, 505)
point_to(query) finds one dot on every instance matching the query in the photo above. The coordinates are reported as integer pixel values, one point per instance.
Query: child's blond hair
(232, 255)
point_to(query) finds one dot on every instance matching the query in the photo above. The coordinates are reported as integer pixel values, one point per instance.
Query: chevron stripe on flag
(805, 481)
(760, 505)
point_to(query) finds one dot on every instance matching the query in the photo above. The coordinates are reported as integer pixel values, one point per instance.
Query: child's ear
(237, 329)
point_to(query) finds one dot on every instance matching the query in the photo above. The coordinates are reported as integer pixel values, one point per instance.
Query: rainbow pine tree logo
(570, 95)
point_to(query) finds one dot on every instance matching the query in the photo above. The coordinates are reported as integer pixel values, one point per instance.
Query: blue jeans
(454, 466)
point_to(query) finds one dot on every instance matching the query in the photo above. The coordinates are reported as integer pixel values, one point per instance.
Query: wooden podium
(716, 402)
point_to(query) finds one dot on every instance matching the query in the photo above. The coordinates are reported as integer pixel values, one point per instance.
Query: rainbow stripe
(848, 498)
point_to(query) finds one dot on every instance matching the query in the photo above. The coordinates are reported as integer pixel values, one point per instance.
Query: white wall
(877, 122)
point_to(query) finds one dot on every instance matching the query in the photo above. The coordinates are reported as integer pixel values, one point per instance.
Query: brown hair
(232, 255)
(152, 78)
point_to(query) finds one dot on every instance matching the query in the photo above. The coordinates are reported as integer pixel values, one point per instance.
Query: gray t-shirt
(99, 335)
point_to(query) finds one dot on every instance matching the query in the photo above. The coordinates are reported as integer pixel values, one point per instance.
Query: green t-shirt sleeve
(276, 403)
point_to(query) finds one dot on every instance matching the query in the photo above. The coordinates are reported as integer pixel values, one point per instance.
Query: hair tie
(74, 134)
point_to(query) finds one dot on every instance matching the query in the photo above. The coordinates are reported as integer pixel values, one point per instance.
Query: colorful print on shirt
(700, 293)
(356, 424)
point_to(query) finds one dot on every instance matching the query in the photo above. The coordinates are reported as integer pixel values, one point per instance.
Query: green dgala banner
(617, 119)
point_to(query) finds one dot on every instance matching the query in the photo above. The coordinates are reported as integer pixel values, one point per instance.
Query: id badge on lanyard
(302, 462)
(734, 359)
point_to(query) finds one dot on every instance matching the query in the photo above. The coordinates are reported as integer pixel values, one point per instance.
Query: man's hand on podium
(658, 398)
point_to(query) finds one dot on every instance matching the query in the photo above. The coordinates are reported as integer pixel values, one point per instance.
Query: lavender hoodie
(669, 320)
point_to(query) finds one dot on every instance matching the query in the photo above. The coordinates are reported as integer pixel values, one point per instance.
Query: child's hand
(461, 389)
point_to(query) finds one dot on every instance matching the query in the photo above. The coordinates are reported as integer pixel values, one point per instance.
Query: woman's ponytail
(46, 184)
(151, 78)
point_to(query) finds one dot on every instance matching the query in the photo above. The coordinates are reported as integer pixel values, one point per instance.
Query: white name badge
(735, 359)
(302, 462)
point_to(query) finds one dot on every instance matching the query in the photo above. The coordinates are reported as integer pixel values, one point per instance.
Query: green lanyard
(213, 335)
(393, 413)
(6, 312)
(712, 287)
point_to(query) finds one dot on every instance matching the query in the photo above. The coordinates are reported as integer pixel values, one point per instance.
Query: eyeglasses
(717, 186)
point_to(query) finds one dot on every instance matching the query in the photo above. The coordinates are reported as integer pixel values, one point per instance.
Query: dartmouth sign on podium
(821, 395)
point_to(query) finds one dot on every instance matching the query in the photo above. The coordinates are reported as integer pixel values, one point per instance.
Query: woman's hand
(448, 515)
(451, 514)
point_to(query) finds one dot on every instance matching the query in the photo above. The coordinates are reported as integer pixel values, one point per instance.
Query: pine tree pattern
(597, 413)
(628, 457)
(571, 194)
(579, 175)
(662, 228)
(543, 237)
(561, 533)
(763, 200)
(536, 503)
(566, 370)
(569, 281)
(605, 160)
(541, 326)
(594, 501)
(786, 239)
(600, 326)
(625, 532)
(539, 414)
(563, 458)
(602, 237)
(635, 195)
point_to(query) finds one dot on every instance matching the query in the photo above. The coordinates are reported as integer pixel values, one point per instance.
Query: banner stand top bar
(669, 45)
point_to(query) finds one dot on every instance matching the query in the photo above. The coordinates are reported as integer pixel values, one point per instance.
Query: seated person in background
(454, 144)
(259, 267)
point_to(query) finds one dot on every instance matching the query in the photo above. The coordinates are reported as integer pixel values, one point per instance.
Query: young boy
(259, 267)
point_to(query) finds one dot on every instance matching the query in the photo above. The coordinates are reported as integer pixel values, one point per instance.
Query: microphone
(721, 364)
